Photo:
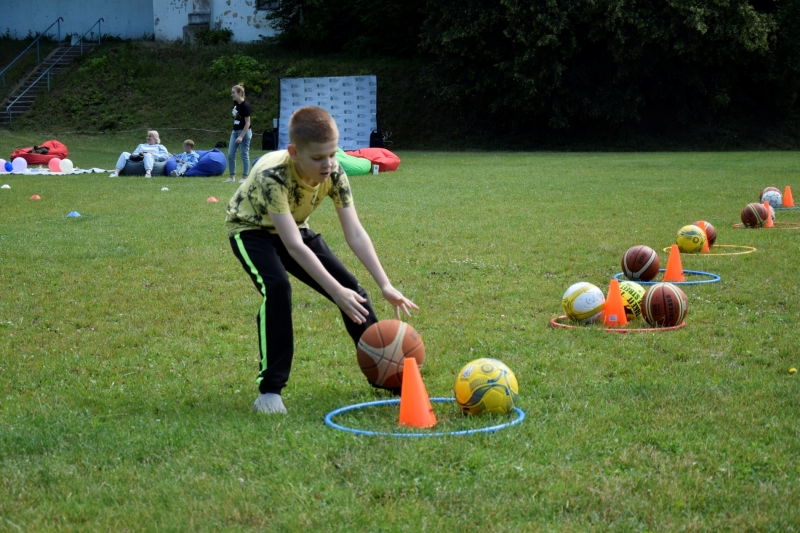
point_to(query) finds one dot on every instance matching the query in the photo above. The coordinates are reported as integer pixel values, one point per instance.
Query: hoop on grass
(746, 250)
(712, 278)
(776, 225)
(786, 208)
(557, 324)
(491, 429)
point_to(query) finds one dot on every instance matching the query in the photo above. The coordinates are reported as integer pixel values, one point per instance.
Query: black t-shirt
(240, 112)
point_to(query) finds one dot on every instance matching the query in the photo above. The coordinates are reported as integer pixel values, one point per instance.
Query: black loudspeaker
(376, 139)
(269, 141)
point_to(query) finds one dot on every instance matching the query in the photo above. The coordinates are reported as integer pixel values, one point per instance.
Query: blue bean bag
(211, 163)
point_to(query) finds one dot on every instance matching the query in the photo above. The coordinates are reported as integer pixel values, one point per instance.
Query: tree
(577, 61)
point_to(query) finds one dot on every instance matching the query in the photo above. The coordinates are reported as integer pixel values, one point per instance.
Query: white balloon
(19, 164)
(66, 166)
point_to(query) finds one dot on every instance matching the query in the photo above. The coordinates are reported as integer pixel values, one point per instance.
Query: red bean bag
(382, 157)
(55, 149)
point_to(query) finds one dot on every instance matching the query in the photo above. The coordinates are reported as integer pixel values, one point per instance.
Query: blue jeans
(245, 146)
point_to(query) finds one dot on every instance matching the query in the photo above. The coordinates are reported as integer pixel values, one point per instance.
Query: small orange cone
(769, 223)
(212, 199)
(614, 309)
(788, 201)
(36, 197)
(416, 410)
(702, 225)
(674, 268)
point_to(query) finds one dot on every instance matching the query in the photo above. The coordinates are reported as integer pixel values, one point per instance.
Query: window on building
(267, 5)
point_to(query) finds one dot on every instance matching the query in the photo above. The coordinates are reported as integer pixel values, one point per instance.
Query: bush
(214, 36)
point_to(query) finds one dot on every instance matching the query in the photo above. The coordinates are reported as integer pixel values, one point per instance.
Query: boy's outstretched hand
(396, 298)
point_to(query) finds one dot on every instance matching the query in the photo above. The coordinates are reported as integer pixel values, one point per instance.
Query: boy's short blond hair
(312, 124)
(189, 143)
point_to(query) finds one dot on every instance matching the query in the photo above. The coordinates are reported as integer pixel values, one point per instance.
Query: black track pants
(266, 260)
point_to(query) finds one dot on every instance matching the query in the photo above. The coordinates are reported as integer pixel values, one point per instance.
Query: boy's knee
(279, 288)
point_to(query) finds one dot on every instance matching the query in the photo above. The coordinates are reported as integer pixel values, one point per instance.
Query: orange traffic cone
(614, 309)
(702, 225)
(212, 199)
(788, 201)
(769, 223)
(674, 268)
(36, 197)
(416, 410)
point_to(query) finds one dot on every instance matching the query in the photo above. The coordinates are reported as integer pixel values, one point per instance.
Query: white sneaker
(148, 174)
(174, 173)
(231, 179)
(269, 403)
(242, 180)
(114, 174)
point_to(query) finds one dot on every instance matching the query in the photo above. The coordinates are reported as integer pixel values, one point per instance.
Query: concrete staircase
(58, 59)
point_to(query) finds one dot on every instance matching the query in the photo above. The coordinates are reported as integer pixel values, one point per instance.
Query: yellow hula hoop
(744, 250)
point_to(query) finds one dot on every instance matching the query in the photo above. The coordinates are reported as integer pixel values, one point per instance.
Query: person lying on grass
(267, 223)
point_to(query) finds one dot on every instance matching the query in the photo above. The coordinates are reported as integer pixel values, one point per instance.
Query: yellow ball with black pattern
(690, 239)
(632, 294)
(486, 386)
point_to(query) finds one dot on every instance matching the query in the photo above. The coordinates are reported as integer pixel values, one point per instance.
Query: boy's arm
(347, 300)
(359, 241)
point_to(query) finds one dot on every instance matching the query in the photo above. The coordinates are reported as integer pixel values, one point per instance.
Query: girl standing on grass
(241, 134)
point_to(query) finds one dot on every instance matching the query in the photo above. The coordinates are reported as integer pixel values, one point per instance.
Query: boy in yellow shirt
(267, 222)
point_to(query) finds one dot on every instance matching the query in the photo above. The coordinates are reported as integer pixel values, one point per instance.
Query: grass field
(128, 350)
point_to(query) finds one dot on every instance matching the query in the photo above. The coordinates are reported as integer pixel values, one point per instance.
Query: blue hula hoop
(713, 278)
(786, 208)
(329, 421)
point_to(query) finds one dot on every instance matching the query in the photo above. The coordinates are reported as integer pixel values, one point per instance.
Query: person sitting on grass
(267, 224)
(186, 160)
(149, 152)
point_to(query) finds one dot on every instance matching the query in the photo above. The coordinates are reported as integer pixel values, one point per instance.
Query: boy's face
(314, 161)
(187, 148)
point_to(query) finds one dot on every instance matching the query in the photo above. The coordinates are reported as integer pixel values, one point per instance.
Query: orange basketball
(664, 305)
(754, 215)
(383, 348)
(711, 232)
(640, 263)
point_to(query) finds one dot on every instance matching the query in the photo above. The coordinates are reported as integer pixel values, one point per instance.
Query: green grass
(128, 350)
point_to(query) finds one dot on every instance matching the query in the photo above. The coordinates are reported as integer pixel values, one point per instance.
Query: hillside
(139, 85)
(136, 85)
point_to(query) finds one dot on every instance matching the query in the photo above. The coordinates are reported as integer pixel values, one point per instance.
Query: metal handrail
(47, 72)
(99, 33)
(58, 21)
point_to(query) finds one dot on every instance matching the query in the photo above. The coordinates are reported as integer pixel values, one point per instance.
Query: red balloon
(55, 165)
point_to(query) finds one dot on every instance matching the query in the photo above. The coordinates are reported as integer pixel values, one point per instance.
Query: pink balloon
(55, 164)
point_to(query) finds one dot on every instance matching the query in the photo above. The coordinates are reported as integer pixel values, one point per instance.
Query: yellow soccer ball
(632, 294)
(690, 239)
(486, 386)
(583, 302)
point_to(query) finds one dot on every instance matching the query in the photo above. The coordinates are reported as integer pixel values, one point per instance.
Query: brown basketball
(761, 196)
(640, 263)
(711, 233)
(754, 215)
(664, 305)
(383, 348)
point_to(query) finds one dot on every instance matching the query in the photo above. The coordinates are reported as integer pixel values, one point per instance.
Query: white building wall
(241, 16)
(169, 18)
(132, 19)
(129, 19)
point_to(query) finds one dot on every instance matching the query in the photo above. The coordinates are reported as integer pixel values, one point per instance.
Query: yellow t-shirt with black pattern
(274, 186)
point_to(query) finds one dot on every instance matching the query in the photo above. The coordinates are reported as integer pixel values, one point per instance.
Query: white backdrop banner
(351, 101)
